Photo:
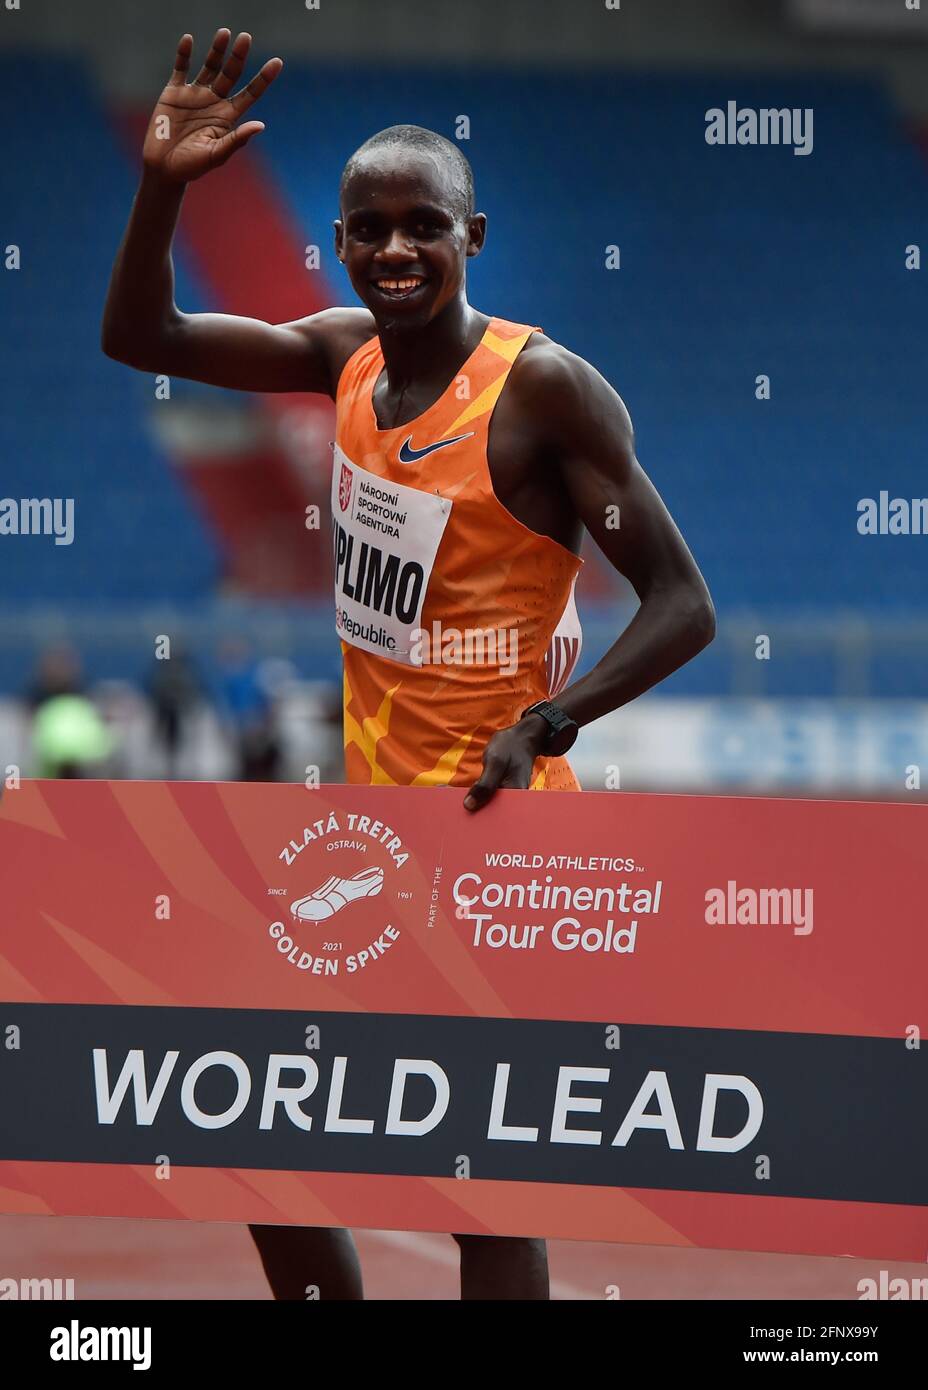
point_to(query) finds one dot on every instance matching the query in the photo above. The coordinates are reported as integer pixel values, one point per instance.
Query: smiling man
(471, 454)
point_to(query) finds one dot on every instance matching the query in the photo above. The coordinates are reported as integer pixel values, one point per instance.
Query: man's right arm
(193, 130)
(143, 327)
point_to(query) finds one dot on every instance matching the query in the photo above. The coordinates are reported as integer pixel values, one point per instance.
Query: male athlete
(471, 453)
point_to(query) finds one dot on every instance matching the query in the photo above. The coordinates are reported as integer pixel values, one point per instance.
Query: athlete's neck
(436, 350)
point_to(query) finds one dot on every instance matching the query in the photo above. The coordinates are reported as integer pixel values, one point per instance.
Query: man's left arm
(589, 435)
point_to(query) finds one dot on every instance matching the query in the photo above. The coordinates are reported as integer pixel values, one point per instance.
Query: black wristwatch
(563, 730)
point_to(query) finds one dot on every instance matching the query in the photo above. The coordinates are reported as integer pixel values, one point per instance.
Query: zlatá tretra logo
(350, 859)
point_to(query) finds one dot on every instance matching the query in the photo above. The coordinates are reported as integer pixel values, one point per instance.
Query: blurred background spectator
(174, 688)
(250, 714)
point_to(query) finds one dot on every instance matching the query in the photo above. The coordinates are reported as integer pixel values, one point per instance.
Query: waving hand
(194, 127)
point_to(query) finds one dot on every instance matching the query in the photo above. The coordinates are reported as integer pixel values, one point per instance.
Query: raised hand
(193, 127)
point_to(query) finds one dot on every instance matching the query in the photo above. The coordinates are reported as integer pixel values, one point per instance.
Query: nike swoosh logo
(408, 454)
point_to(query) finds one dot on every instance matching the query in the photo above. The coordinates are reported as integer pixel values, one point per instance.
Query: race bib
(385, 536)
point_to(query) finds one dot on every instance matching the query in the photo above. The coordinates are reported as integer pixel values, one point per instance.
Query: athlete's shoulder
(551, 384)
(339, 333)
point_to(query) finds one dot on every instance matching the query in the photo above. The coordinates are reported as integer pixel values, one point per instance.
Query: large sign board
(666, 1019)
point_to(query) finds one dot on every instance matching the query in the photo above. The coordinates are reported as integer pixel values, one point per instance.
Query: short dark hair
(427, 142)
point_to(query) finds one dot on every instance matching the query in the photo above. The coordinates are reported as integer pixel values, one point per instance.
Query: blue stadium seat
(74, 423)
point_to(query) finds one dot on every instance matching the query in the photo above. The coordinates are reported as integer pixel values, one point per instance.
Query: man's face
(403, 237)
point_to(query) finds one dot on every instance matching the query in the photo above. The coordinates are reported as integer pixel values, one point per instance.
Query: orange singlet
(453, 616)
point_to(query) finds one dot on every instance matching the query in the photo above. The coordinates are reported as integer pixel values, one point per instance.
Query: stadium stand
(783, 272)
